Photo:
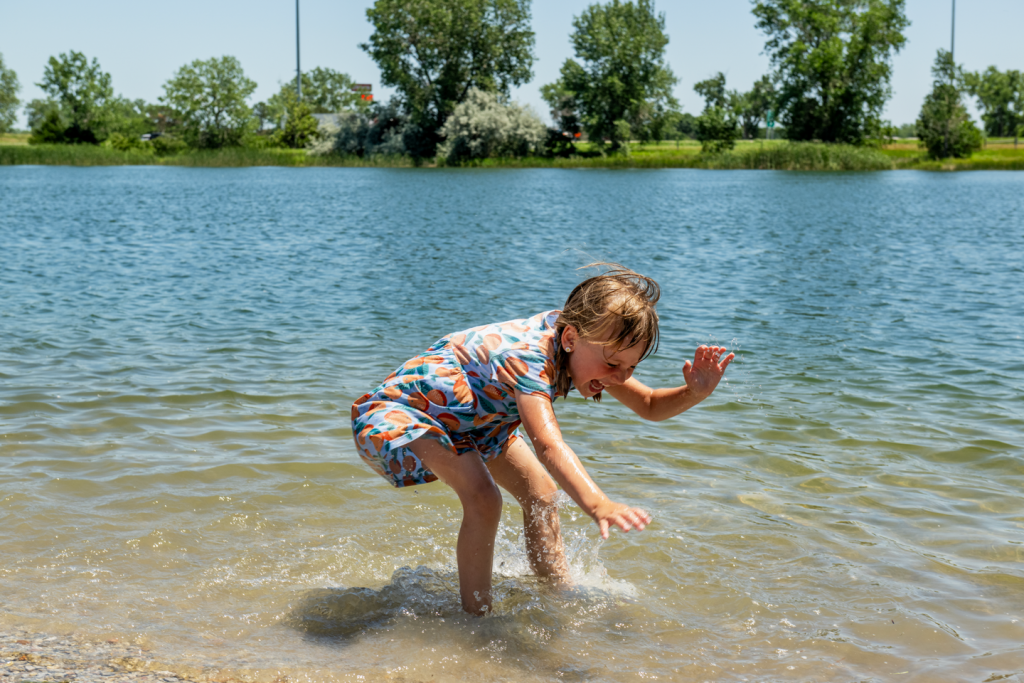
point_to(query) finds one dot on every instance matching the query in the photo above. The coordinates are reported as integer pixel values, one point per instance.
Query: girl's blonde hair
(618, 300)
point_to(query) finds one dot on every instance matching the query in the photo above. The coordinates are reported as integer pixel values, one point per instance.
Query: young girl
(453, 413)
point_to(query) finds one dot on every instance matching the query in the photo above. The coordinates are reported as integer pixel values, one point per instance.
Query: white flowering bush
(482, 127)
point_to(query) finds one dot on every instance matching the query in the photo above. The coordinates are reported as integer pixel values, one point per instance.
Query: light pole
(952, 33)
(298, 67)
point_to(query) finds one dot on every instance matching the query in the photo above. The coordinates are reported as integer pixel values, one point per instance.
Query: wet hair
(618, 300)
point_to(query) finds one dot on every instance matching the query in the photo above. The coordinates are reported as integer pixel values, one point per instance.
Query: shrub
(128, 143)
(383, 132)
(716, 129)
(947, 135)
(168, 145)
(482, 127)
(345, 135)
(559, 144)
(264, 140)
(50, 130)
(300, 127)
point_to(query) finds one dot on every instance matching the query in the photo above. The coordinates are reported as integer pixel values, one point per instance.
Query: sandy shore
(26, 656)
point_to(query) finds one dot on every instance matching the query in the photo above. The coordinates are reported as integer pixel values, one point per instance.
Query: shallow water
(180, 348)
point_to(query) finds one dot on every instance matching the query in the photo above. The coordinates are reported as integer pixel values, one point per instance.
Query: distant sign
(362, 87)
(770, 118)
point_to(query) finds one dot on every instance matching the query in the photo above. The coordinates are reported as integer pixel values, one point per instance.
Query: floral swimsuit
(461, 392)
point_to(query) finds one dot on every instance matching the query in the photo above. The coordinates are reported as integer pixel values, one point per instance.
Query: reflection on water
(180, 348)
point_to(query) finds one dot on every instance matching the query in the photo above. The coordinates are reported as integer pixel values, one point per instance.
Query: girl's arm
(702, 376)
(539, 421)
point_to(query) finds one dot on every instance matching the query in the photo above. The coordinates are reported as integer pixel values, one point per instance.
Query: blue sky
(142, 44)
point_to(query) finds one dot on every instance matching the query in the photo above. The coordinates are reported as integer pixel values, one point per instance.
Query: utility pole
(952, 34)
(298, 66)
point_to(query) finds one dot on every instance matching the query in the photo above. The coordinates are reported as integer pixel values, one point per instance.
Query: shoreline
(750, 155)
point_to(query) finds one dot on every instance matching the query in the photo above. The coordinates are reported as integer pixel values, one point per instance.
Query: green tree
(9, 101)
(325, 91)
(752, 107)
(126, 117)
(209, 102)
(944, 127)
(716, 128)
(1000, 96)
(37, 110)
(434, 51)
(161, 117)
(621, 83)
(906, 130)
(686, 125)
(564, 108)
(83, 91)
(713, 91)
(833, 62)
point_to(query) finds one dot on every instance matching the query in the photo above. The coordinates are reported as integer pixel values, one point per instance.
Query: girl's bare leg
(481, 512)
(520, 473)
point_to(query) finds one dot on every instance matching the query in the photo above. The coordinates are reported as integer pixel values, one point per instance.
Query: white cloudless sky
(142, 44)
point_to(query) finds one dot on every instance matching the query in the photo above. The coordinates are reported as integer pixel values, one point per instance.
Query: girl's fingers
(627, 519)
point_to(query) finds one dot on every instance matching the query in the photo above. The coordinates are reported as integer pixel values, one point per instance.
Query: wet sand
(27, 656)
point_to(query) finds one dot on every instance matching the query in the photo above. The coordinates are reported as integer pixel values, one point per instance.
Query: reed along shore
(752, 155)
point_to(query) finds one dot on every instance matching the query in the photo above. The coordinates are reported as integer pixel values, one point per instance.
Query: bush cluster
(482, 127)
(382, 131)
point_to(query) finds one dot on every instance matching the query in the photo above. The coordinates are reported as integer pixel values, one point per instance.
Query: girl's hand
(706, 370)
(622, 516)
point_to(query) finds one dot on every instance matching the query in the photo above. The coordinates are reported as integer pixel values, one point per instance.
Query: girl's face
(594, 366)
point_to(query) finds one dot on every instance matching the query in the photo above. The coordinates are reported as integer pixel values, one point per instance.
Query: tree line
(452, 64)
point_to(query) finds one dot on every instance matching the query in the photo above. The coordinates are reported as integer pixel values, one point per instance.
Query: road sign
(770, 118)
(365, 91)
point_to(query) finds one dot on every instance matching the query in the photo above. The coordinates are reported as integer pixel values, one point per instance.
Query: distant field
(14, 138)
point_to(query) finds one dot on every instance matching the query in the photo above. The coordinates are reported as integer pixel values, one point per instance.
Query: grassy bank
(233, 157)
(756, 155)
(777, 155)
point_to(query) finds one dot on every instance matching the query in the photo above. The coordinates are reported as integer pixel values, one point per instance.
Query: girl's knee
(483, 502)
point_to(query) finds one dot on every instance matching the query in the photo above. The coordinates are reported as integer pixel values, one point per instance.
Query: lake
(179, 349)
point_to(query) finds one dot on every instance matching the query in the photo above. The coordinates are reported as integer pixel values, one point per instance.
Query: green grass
(988, 159)
(747, 155)
(14, 138)
(70, 155)
(232, 157)
(801, 156)
(759, 154)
